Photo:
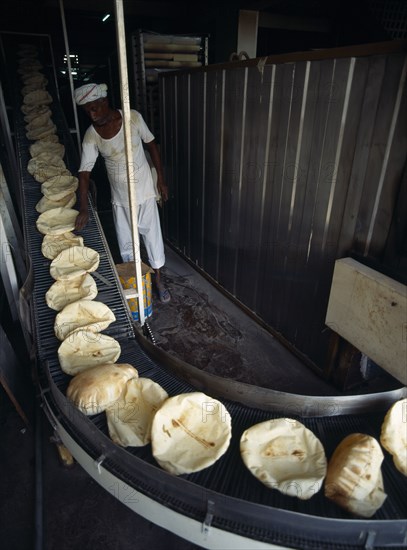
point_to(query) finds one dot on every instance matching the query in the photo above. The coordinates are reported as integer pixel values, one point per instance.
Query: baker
(106, 136)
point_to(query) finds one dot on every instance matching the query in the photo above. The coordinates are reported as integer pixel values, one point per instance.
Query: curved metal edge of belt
(265, 398)
(249, 519)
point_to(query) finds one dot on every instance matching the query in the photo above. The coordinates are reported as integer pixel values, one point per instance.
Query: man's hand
(82, 220)
(162, 189)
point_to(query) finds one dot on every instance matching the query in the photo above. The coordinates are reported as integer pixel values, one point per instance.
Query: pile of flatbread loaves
(191, 431)
(100, 384)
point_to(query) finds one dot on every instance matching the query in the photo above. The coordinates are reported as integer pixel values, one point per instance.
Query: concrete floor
(207, 330)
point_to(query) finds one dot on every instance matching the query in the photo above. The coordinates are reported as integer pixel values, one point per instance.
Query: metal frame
(125, 95)
(201, 533)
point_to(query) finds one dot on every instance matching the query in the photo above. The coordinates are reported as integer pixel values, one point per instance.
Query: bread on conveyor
(190, 432)
(38, 97)
(58, 187)
(62, 293)
(33, 86)
(74, 261)
(393, 434)
(285, 455)
(40, 120)
(45, 169)
(90, 315)
(129, 420)
(42, 132)
(28, 64)
(49, 157)
(84, 349)
(35, 113)
(39, 147)
(354, 479)
(50, 138)
(45, 204)
(35, 78)
(52, 245)
(95, 389)
(57, 221)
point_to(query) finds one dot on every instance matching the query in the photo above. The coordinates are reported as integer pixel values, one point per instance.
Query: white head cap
(90, 92)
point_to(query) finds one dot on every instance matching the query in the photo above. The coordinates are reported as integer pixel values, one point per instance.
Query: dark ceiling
(290, 24)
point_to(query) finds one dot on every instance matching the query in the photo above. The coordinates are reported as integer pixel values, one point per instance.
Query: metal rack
(154, 53)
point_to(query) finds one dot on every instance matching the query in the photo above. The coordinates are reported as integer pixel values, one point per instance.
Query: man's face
(97, 111)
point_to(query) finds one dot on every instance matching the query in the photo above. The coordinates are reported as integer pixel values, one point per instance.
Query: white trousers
(149, 227)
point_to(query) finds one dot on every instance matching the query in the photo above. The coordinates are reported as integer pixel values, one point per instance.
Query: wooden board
(369, 310)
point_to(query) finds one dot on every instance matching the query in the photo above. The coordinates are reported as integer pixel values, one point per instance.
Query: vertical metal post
(124, 91)
(68, 62)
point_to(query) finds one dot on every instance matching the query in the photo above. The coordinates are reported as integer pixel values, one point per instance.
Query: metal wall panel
(277, 170)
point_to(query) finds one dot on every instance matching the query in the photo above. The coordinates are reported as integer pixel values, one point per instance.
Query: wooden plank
(369, 310)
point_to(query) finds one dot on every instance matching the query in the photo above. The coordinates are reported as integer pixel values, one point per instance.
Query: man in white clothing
(105, 136)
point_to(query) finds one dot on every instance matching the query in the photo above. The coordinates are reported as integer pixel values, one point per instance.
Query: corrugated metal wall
(276, 170)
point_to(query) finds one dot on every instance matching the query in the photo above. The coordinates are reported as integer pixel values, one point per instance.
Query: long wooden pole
(125, 97)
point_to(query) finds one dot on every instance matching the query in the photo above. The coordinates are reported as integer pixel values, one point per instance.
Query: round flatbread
(57, 221)
(47, 157)
(129, 420)
(42, 110)
(52, 245)
(35, 78)
(41, 133)
(285, 455)
(32, 87)
(57, 149)
(393, 434)
(43, 169)
(29, 66)
(40, 120)
(29, 62)
(354, 479)
(45, 204)
(95, 389)
(62, 293)
(73, 262)
(50, 138)
(58, 187)
(90, 315)
(84, 349)
(38, 97)
(190, 432)
(31, 109)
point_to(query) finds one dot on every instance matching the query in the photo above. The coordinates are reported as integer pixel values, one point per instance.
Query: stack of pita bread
(80, 319)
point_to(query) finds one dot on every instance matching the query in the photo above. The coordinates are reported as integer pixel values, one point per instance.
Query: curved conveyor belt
(223, 506)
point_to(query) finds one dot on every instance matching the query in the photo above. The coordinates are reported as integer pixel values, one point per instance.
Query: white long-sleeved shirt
(113, 152)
